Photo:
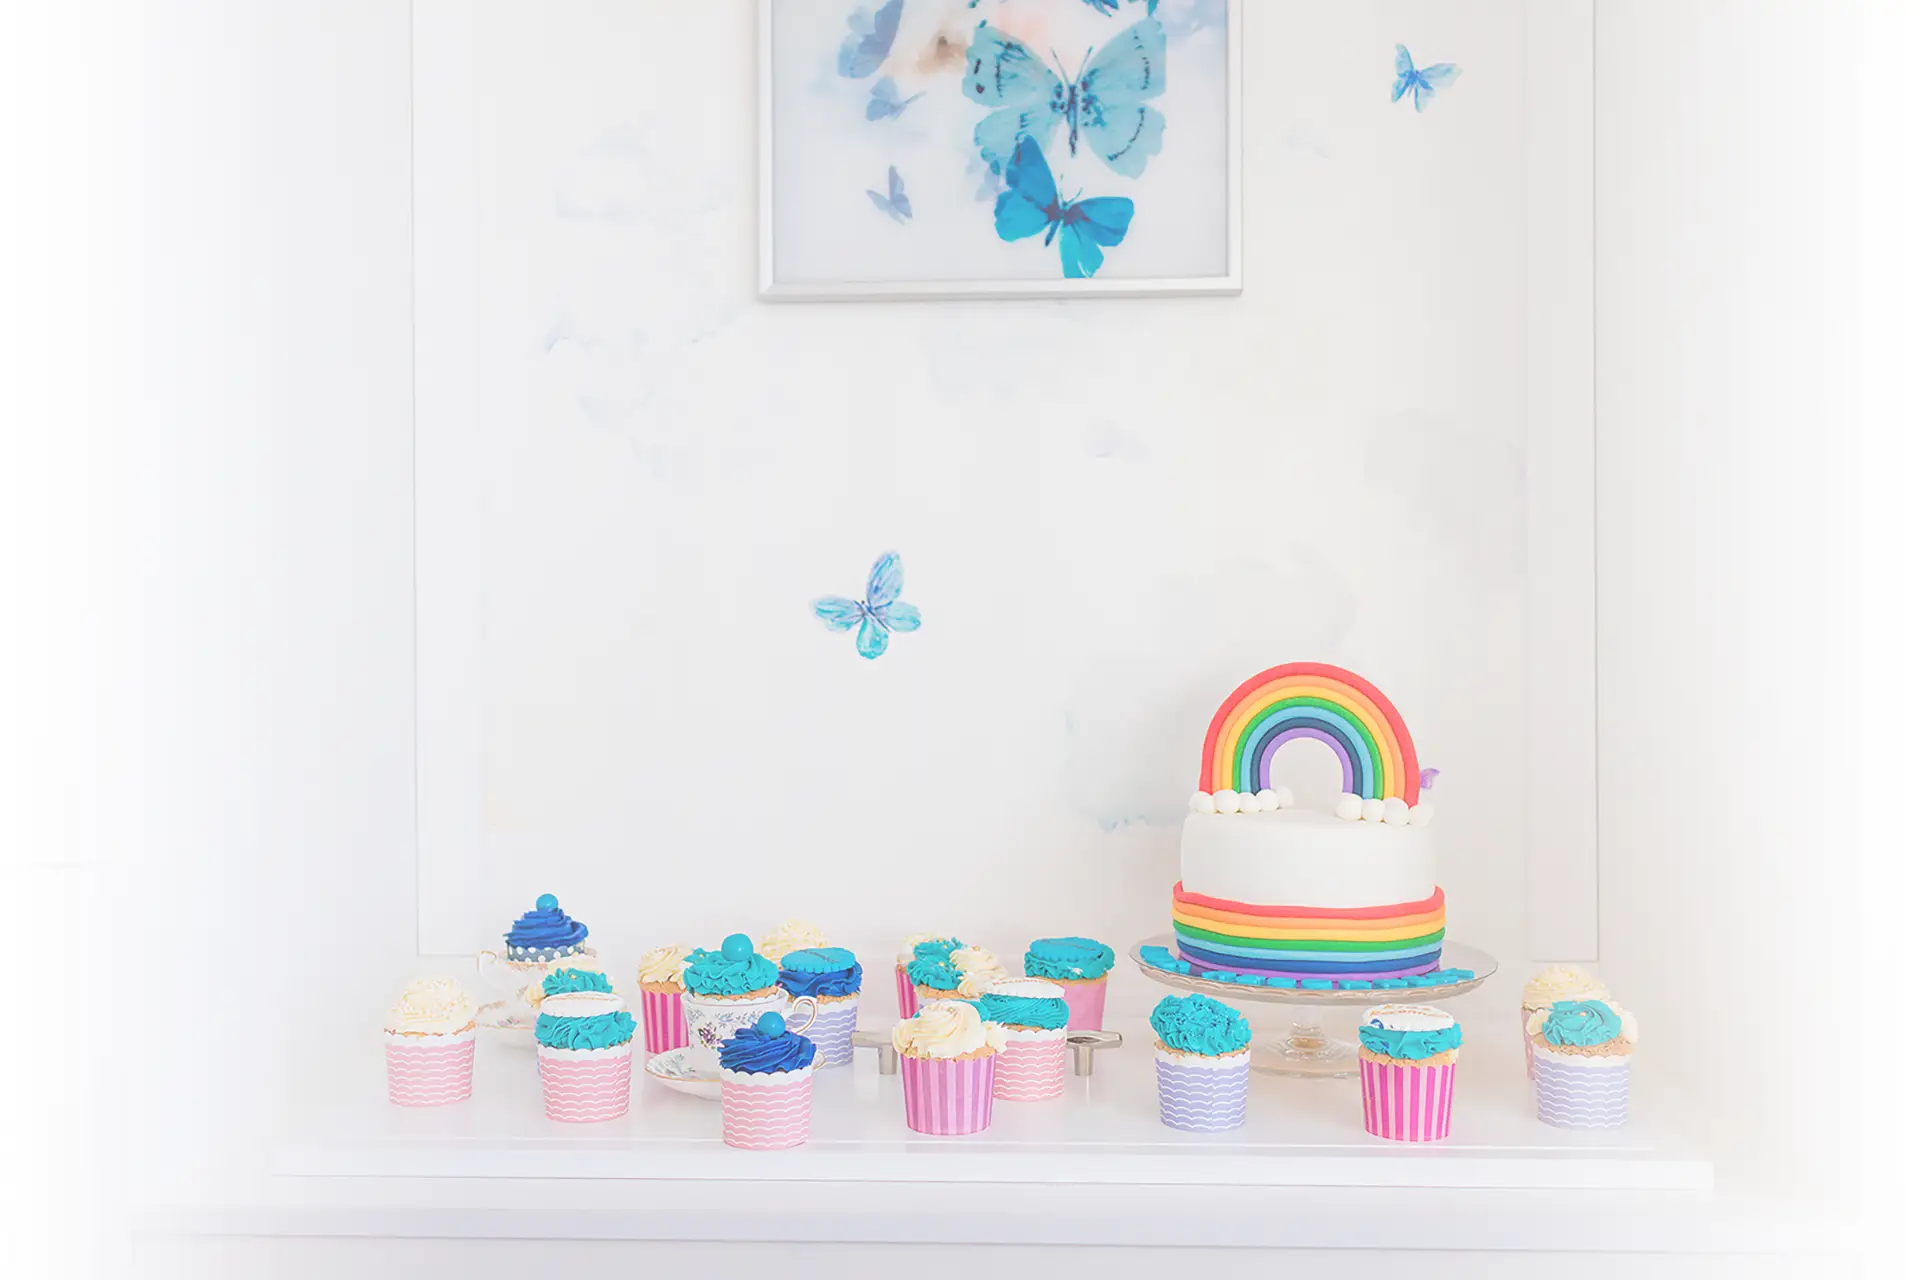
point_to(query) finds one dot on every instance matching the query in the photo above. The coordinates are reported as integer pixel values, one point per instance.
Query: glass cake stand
(1306, 1049)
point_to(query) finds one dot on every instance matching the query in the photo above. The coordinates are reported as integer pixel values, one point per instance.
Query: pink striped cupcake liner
(1086, 1003)
(766, 1112)
(583, 1086)
(665, 1022)
(948, 1096)
(1405, 1103)
(429, 1071)
(903, 988)
(1033, 1066)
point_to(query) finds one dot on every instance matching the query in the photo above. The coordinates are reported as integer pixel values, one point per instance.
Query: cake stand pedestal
(1307, 1049)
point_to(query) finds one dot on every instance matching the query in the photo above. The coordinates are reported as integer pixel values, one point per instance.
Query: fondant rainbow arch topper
(1381, 778)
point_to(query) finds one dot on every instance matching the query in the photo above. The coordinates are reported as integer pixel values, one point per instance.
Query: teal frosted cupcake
(831, 977)
(1033, 1066)
(584, 1036)
(1202, 1060)
(1080, 966)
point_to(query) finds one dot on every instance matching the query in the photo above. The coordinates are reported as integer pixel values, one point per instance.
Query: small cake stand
(1307, 1050)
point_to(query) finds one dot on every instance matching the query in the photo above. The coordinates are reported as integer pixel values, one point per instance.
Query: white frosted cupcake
(661, 981)
(947, 1060)
(789, 936)
(429, 1042)
(979, 970)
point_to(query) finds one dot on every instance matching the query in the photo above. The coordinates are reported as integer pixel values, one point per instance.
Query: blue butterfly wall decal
(1031, 204)
(885, 103)
(862, 52)
(1106, 103)
(1422, 82)
(879, 615)
(895, 203)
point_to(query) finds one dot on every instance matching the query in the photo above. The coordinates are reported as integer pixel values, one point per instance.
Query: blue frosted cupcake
(1080, 967)
(831, 975)
(546, 934)
(1202, 1058)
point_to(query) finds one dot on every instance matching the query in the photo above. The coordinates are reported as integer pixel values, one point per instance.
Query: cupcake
(1202, 1058)
(935, 979)
(429, 1039)
(726, 990)
(791, 935)
(1407, 1056)
(947, 1057)
(917, 946)
(660, 991)
(585, 1041)
(1080, 965)
(831, 976)
(546, 933)
(1033, 1066)
(979, 969)
(1557, 982)
(766, 1086)
(1582, 1062)
(536, 991)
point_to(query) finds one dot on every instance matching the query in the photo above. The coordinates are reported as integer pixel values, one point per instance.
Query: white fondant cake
(1305, 858)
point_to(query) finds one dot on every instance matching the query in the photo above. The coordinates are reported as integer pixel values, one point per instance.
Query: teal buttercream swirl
(602, 1031)
(938, 949)
(1409, 1046)
(567, 981)
(709, 973)
(1068, 959)
(935, 974)
(1200, 1024)
(1580, 1022)
(1023, 1011)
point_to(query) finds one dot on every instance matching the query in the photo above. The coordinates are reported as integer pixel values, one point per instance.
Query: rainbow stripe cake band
(1397, 940)
(1321, 703)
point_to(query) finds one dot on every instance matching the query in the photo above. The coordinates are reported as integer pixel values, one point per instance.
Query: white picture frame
(776, 287)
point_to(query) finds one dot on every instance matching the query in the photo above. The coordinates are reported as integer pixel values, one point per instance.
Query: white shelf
(1106, 1132)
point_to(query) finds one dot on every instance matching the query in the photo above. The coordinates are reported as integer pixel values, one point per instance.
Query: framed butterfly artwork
(999, 148)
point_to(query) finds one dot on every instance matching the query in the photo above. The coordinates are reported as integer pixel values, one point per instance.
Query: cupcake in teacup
(533, 942)
(728, 990)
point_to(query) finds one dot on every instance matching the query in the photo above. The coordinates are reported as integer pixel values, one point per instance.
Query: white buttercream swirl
(789, 936)
(1561, 982)
(663, 965)
(947, 1029)
(431, 1007)
(979, 969)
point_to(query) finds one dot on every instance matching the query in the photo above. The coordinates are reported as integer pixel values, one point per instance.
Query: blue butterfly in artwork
(1423, 82)
(886, 102)
(895, 203)
(872, 40)
(1110, 7)
(1106, 103)
(1031, 204)
(879, 615)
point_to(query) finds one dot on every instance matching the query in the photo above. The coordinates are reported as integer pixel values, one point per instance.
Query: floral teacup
(712, 1020)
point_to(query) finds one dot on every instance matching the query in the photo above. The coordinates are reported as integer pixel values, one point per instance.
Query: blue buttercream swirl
(601, 1031)
(546, 928)
(712, 973)
(1023, 1011)
(1409, 1046)
(567, 981)
(765, 1048)
(1067, 959)
(1580, 1022)
(1200, 1024)
(820, 971)
(935, 974)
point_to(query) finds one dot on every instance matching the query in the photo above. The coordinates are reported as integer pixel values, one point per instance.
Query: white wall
(1726, 366)
(635, 477)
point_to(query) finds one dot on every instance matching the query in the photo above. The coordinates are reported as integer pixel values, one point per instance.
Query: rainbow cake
(1270, 892)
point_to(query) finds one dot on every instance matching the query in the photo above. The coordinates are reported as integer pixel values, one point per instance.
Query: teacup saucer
(674, 1071)
(492, 1019)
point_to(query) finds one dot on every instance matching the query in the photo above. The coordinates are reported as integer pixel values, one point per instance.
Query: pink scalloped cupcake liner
(584, 1086)
(1032, 1068)
(766, 1113)
(947, 1097)
(664, 1021)
(429, 1071)
(1086, 1003)
(1406, 1104)
(903, 989)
